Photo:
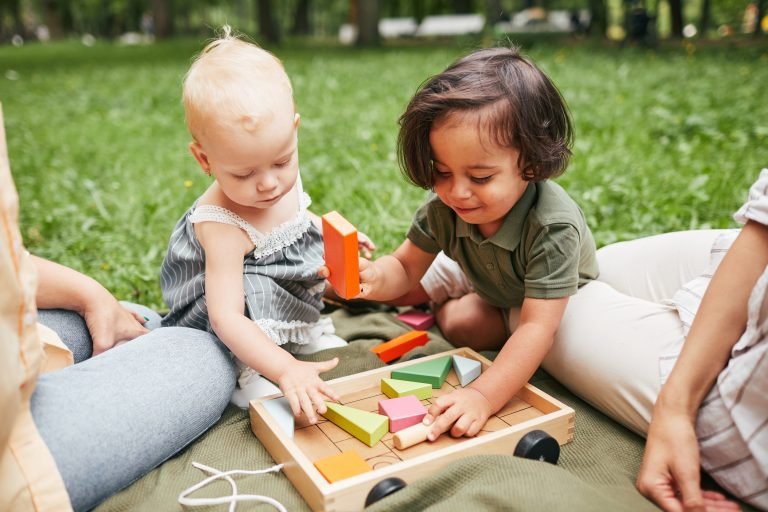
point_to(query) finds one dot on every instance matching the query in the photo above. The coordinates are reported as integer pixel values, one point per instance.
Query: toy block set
(373, 442)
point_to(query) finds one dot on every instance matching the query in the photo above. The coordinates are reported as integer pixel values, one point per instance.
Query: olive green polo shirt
(543, 249)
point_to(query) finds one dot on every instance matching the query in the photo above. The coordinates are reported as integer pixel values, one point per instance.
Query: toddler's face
(475, 177)
(254, 168)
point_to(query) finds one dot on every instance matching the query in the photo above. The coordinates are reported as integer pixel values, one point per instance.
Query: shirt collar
(509, 234)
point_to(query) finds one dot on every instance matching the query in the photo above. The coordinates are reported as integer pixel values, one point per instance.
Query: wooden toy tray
(531, 409)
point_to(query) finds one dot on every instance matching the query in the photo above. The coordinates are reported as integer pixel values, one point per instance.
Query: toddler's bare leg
(469, 321)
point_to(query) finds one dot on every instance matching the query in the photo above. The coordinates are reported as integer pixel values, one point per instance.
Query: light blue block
(281, 411)
(466, 369)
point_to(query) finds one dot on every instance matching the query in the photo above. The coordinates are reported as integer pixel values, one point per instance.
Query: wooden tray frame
(350, 493)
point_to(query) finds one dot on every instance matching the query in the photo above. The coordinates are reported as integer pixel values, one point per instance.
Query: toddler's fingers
(462, 426)
(443, 423)
(293, 401)
(318, 400)
(435, 410)
(323, 272)
(308, 408)
(325, 366)
(474, 428)
(326, 390)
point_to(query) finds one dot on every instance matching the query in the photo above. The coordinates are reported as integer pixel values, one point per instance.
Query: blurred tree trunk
(598, 24)
(268, 27)
(706, 15)
(676, 18)
(493, 12)
(419, 10)
(367, 22)
(462, 6)
(301, 24)
(760, 15)
(162, 11)
(52, 17)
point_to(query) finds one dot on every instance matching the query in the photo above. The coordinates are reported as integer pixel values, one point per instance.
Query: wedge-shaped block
(402, 412)
(281, 411)
(341, 466)
(368, 427)
(431, 372)
(467, 369)
(394, 388)
(419, 320)
(396, 347)
(341, 256)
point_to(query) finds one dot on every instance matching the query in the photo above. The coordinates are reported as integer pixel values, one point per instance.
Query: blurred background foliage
(273, 20)
(670, 133)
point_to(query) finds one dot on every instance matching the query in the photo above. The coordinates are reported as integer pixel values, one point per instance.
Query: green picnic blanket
(596, 470)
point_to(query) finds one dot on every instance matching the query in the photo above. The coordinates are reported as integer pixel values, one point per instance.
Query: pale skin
(481, 182)
(108, 322)
(256, 174)
(669, 475)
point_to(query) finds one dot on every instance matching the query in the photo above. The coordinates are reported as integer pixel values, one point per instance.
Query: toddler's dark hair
(514, 101)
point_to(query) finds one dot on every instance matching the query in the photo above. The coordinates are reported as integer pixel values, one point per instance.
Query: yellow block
(368, 427)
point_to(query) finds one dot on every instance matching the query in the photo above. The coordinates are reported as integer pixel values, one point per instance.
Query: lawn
(666, 139)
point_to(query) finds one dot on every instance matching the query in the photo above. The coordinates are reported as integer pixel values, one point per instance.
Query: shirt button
(489, 266)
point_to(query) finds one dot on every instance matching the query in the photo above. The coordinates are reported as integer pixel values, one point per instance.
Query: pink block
(419, 320)
(402, 412)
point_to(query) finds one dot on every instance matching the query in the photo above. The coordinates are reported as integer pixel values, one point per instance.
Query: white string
(233, 498)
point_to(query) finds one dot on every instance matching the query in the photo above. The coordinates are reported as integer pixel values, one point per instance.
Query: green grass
(665, 140)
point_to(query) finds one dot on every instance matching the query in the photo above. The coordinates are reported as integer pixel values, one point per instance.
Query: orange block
(394, 348)
(341, 256)
(344, 465)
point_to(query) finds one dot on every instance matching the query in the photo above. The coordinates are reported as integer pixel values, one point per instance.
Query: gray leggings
(110, 419)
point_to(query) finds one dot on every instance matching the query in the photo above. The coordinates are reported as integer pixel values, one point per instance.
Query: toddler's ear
(200, 156)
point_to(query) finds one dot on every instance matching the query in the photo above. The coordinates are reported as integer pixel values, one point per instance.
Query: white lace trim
(280, 237)
(295, 331)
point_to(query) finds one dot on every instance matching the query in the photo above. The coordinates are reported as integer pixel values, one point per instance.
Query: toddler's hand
(364, 245)
(464, 408)
(369, 277)
(305, 390)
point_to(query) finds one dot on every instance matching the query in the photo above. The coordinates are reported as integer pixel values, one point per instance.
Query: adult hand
(464, 411)
(305, 390)
(669, 475)
(110, 323)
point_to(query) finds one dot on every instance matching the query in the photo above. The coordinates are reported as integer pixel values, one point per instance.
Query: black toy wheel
(538, 445)
(383, 489)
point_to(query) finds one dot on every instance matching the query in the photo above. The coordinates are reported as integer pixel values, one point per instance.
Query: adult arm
(669, 475)
(108, 322)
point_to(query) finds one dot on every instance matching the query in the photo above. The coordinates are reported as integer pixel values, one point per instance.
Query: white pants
(615, 329)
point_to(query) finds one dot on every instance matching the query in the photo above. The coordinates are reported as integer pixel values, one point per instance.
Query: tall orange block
(341, 256)
(396, 347)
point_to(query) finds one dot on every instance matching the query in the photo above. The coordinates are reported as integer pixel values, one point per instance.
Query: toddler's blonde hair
(232, 82)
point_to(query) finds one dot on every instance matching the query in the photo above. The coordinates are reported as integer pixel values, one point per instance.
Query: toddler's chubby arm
(299, 381)
(465, 410)
(394, 275)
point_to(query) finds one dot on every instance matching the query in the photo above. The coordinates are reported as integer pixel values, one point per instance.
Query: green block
(368, 427)
(394, 388)
(431, 372)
